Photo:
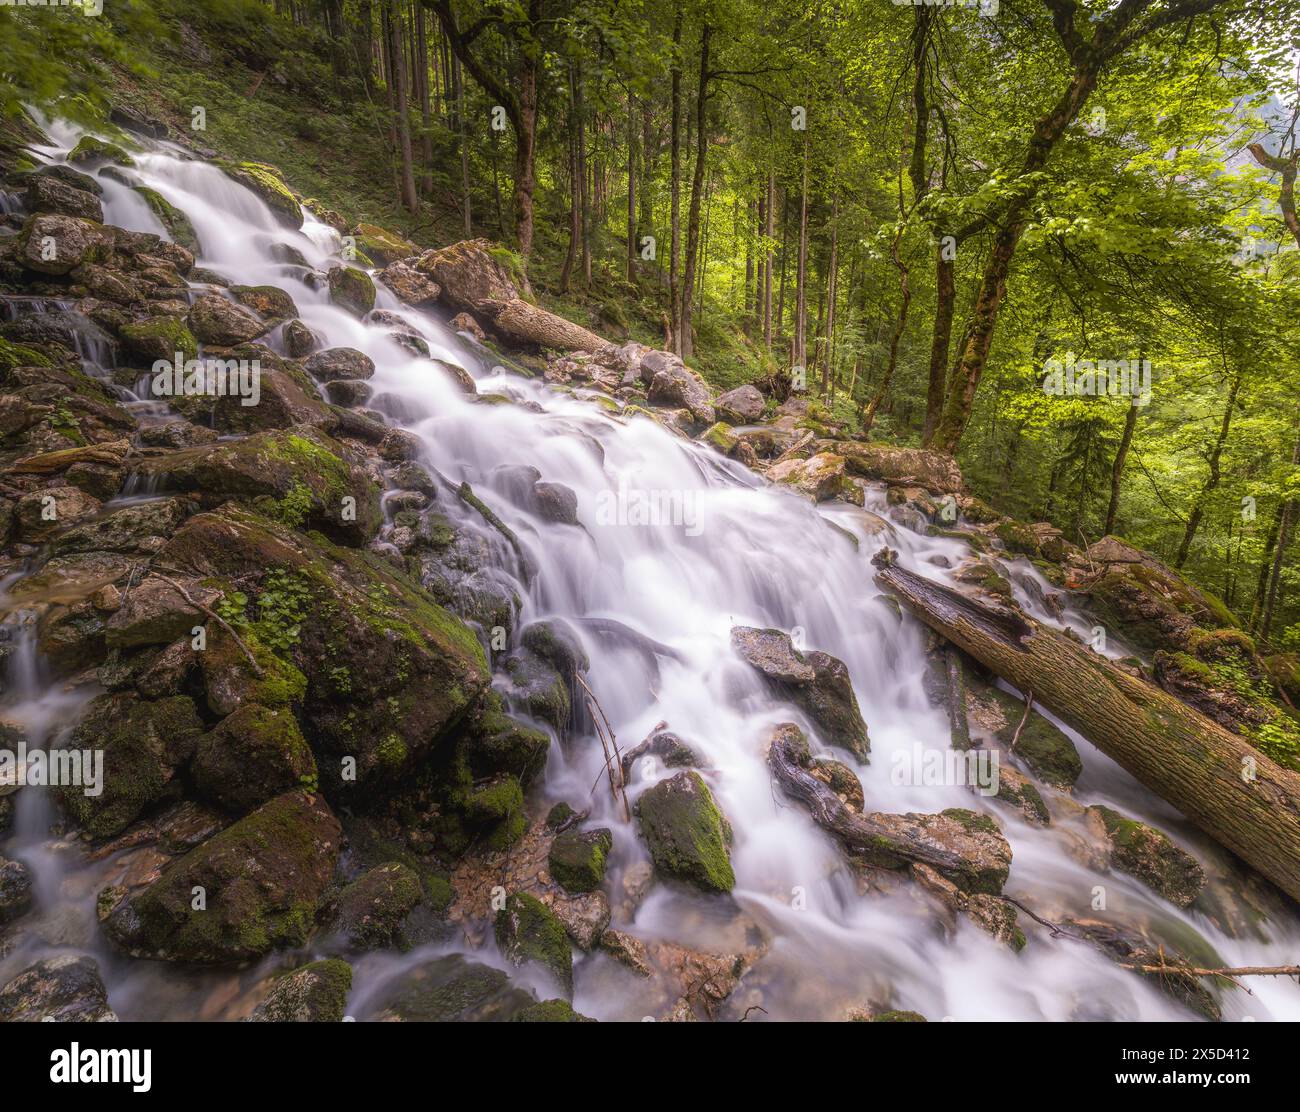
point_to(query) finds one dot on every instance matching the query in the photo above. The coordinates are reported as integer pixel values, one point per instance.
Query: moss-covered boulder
(215, 319)
(373, 910)
(816, 682)
(1142, 600)
(1049, 753)
(352, 289)
(820, 477)
(299, 476)
(176, 222)
(687, 835)
(66, 988)
(159, 337)
(382, 246)
(451, 989)
(1149, 855)
(269, 185)
(577, 858)
(255, 887)
(475, 273)
(267, 301)
(253, 755)
(144, 745)
(389, 673)
(528, 931)
(551, 1011)
(90, 148)
(52, 243)
(313, 993)
(494, 742)
(901, 466)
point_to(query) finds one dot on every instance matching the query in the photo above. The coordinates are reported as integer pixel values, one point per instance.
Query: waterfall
(736, 551)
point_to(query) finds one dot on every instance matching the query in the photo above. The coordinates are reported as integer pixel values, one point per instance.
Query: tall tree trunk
(575, 188)
(905, 290)
(1117, 468)
(830, 296)
(675, 185)
(420, 18)
(684, 338)
(401, 99)
(631, 188)
(769, 231)
(799, 353)
(1212, 479)
(458, 89)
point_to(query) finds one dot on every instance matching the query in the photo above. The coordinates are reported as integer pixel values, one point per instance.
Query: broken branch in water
(608, 743)
(1029, 707)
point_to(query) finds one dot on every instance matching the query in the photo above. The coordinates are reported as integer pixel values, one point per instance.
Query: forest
(650, 509)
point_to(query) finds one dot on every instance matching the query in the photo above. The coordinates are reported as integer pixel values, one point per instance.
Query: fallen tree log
(1218, 780)
(964, 847)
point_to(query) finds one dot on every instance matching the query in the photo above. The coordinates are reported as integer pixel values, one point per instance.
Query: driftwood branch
(252, 662)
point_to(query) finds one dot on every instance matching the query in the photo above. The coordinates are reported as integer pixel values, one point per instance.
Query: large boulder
(217, 320)
(62, 989)
(451, 989)
(528, 931)
(299, 475)
(901, 466)
(741, 406)
(577, 858)
(821, 477)
(46, 193)
(52, 243)
(1149, 855)
(816, 682)
(388, 673)
(255, 887)
(381, 246)
(374, 909)
(144, 744)
(409, 285)
(687, 835)
(474, 274)
(352, 289)
(676, 385)
(253, 755)
(339, 363)
(268, 184)
(312, 993)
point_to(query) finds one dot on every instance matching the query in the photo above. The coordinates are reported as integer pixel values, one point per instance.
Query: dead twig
(608, 743)
(1029, 706)
(252, 662)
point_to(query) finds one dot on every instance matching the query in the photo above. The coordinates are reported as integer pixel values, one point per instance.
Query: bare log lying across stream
(1225, 786)
(966, 848)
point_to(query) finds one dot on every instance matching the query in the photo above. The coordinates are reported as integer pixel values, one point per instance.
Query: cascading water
(736, 552)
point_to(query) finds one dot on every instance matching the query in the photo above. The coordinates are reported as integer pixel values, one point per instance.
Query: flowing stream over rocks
(654, 603)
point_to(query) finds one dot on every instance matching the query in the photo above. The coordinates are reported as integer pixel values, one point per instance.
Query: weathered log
(525, 323)
(962, 846)
(1225, 786)
(110, 455)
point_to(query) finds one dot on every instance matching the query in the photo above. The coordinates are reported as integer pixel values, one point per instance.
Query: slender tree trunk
(768, 231)
(420, 18)
(575, 189)
(1117, 468)
(684, 338)
(830, 296)
(905, 290)
(675, 185)
(799, 353)
(401, 103)
(458, 84)
(1212, 479)
(631, 188)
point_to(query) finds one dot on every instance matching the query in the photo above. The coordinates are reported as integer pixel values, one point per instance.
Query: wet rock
(42, 513)
(475, 273)
(253, 755)
(159, 337)
(1049, 753)
(374, 909)
(263, 880)
(992, 914)
(584, 915)
(267, 301)
(63, 989)
(1148, 855)
(577, 858)
(742, 406)
(299, 339)
(528, 931)
(1129, 947)
(216, 320)
(156, 613)
(268, 184)
(452, 989)
(400, 445)
(352, 289)
(409, 285)
(463, 322)
(556, 502)
(46, 193)
(339, 363)
(173, 219)
(496, 743)
(350, 392)
(820, 477)
(816, 682)
(667, 746)
(677, 386)
(136, 527)
(901, 466)
(557, 643)
(1015, 790)
(301, 474)
(388, 673)
(15, 889)
(550, 1011)
(314, 993)
(51, 243)
(1143, 600)
(628, 950)
(144, 745)
(687, 835)
(538, 688)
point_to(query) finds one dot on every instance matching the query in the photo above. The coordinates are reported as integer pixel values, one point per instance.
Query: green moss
(577, 859)
(176, 222)
(90, 149)
(551, 1011)
(20, 355)
(160, 337)
(527, 930)
(268, 183)
(898, 1017)
(686, 832)
(381, 245)
(719, 436)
